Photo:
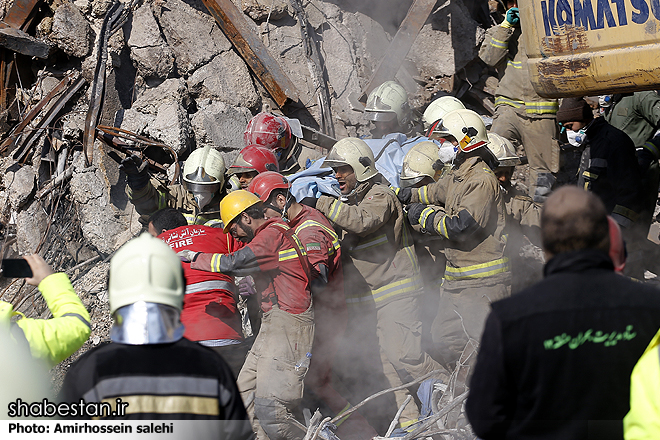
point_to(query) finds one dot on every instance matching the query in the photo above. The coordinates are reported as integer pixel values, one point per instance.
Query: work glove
(246, 286)
(187, 256)
(423, 215)
(512, 18)
(137, 173)
(403, 194)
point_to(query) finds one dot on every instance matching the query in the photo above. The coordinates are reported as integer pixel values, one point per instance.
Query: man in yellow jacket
(55, 339)
(643, 420)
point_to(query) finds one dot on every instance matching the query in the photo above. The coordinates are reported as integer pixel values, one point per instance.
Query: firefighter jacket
(638, 115)
(177, 380)
(155, 196)
(300, 158)
(378, 240)
(209, 304)
(521, 208)
(641, 423)
(276, 259)
(504, 49)
(609, 168)
(55, 339)
(321, 244)
(473, 221)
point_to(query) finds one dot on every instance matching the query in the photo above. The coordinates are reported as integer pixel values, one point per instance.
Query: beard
(249, 232)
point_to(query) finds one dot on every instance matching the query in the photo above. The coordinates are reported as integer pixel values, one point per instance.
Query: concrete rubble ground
(174, 77)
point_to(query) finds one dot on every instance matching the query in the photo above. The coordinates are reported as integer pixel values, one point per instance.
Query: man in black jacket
(555, 360)
(609, 169)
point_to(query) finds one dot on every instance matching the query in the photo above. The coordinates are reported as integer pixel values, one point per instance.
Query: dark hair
(167, 218)
(573, 219)
(276, 192)
(256, 211)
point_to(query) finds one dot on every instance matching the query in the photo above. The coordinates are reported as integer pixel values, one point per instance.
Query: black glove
(137, 173)
(403, 194)
(310, 201)
(645, 157)
(419, 214)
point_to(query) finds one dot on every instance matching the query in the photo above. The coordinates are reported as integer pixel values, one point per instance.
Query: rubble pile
(163, 79)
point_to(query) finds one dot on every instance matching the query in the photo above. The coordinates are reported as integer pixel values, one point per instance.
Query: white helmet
(439, 108)
(466, 126)
(145, 269)
(388, 101)
(421, 161)
(356, 153)
(503, 150)
(204, 171)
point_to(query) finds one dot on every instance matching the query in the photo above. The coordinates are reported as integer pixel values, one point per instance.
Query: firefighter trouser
(537, 135)
(269, 384)
(464, 306)
(400, 339)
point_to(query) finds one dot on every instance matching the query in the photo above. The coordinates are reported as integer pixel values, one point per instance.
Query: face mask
(203, 199)
(447, 152)
(576, 138)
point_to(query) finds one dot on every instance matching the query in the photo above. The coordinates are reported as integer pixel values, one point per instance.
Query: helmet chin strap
(282, 212)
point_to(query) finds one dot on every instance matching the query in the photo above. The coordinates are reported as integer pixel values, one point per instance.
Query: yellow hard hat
(234, 204)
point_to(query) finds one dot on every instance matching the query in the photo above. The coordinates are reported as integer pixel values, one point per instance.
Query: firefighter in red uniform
(271, 380)
(274, 132)
(321, 244)
(209, 313)
(251, 161)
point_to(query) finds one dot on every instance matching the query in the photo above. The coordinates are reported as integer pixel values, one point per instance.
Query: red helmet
(269, 131)
(265, 183)
(617, 245)
(254, 158)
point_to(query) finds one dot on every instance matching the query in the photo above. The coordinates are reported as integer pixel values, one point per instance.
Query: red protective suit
(209, 306)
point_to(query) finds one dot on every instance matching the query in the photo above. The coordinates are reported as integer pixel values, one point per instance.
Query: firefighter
(149, 370)
(251, 161)
(209, 313)
(51, 340)
(274, 132)
(472, 224)
(198, 198)
(388, 108)
(520, 113)
(272, 377)
(439, 108)
(321, 244)
(379, 243)
(523, 217)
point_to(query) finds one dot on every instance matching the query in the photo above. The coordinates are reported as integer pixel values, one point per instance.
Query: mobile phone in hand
(16, 268)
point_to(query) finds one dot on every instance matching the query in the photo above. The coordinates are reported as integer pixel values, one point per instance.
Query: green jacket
(638, 115)
(55, 339)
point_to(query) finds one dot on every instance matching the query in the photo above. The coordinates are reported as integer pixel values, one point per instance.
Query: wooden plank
(233, 23)
(400, 45)
(20, 42)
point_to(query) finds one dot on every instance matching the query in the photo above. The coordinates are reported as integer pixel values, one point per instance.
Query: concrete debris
(220, 125)
(149, 51)
(31, 224)
(262, 10)
(21, 184)
(71, 32)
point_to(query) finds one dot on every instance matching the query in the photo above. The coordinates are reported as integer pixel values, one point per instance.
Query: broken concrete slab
(173, 89)
(149, 51)
(20, 181)
(31, 225)
(222, 126)
(71, 32)
(262, 10)
(193, 36)
(172, 127)
(235, 86)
